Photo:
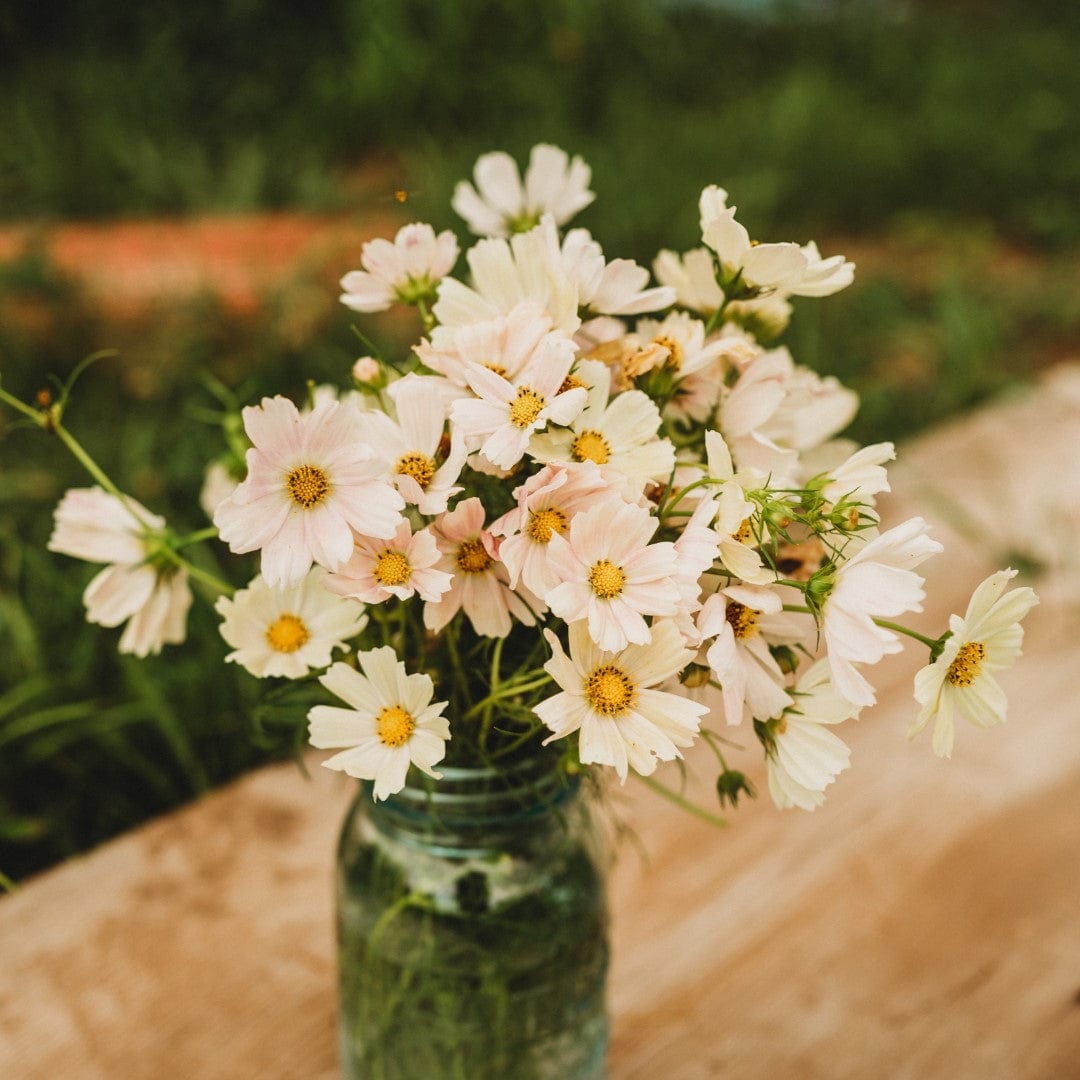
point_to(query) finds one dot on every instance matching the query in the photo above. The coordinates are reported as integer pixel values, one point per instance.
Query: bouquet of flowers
(587, 510)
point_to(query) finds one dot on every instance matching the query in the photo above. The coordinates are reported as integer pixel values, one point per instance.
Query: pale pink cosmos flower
(504, 344)
(504, 415)
(751, 680)
(153, 600)
(878, 582)
(480, 585)
(400, 566)
(546, 504)
(611, 575)
(611, 699)
(501, 204)
(424, 465)
(406, 270)
(311, 483)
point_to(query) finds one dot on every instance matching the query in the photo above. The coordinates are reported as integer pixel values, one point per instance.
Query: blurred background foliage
(935, 143)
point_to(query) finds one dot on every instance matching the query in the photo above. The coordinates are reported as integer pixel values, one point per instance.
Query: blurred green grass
(938, 144)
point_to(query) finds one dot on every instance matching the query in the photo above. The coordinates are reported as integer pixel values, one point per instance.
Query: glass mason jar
(472, 929)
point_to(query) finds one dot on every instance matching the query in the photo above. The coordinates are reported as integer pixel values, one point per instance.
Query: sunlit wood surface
(924, 923)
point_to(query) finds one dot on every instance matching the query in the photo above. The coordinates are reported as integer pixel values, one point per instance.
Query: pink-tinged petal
(485, 605)
(285, 557)
(117, 593)
(366, 292)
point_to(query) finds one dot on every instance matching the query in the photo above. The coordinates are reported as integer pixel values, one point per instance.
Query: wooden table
(924, 923)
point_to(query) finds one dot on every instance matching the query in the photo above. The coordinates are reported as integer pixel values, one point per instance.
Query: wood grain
(924, 923)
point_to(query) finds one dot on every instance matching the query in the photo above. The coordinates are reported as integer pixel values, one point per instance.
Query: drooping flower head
(877, 582)
(311, 482)
(802, 755)
(152, 597)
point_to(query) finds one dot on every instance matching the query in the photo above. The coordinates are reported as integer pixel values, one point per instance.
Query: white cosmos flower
(751, 680)
(546, 504)
(735, 513)
(620, 432)
(693, 277)
(610, 575)
(804, 756)
(505, 274)
(618, 287)
(877, 582)
(480, 583)
(287, 631)
(783, 268)
(610, 698)
(311, 481)
(962, 679)
(398, 567)
(390, 723)
(405, 270)
(94, 525)
(861, 476)
(501, 204)
(412, 446)
(503, 416)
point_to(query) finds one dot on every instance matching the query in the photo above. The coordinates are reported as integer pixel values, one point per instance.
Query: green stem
(6, 883)
(38, 418)
(682, 802)
(933, 644)
(209, 533)
(198, 573)
(508, 689)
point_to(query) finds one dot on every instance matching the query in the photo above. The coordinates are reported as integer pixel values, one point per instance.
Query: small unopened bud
(694, 676)
(730, 784)
(786, 659)
(367, 370)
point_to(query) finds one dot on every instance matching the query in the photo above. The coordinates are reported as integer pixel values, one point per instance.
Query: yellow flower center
(525, 408)
(744, 533)
(609, 690)
(675, 351)
(744, 620)
(606, 579)
(287, 634)
(419, 466)
(472, 556)
(391, 568)
(965, 669)
(307, 485)
(591, 446)
(543, 523)
(571, 382)
(497, 368)
(394, 726)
